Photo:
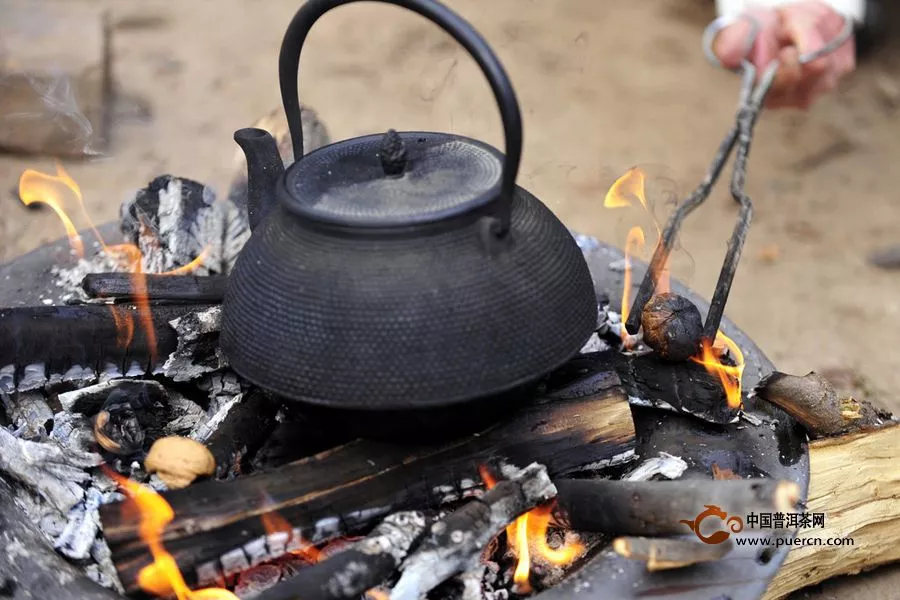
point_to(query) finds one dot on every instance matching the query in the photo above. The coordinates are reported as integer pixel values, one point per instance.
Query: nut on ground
(179, 461)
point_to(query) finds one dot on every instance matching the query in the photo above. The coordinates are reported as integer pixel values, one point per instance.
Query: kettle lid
(394, 179)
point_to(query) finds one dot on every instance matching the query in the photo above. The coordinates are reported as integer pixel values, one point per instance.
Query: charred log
(813, 401)
(181, 288)
(456, 542)
(346, 489)
(364, 565)
(685, 387)
(63, 338)
(658, 508)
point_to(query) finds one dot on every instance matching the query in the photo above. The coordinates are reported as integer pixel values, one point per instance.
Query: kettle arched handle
(456, 27)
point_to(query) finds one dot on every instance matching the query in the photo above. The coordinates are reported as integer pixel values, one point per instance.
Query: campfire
(139, 458)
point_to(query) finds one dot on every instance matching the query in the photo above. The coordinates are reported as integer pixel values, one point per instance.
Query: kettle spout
(264, 167)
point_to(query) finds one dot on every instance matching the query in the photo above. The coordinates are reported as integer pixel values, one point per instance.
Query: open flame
(527, 538)
(629, 191)
(162, 577)
(52, 190)
(711, 355)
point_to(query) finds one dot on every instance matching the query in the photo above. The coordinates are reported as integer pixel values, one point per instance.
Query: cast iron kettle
(401, 270)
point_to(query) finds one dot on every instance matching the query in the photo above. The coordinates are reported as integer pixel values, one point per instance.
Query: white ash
(594, 344)
(596, 467)
(7, 380)
(189, 414)
(213, 419)
(55, 473)
(82, 527)
(89, 400)
(34, 377)
(665, 465)
(68, 279)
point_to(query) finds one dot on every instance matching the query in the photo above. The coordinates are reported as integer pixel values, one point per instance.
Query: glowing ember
(730, 376)
(527, 537)
(162, 578)
(275, 523)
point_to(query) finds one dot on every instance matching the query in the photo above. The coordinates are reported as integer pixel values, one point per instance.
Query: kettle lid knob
(392, 153)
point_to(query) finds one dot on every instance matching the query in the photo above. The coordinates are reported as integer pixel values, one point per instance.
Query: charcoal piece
(175, 220)
(685, 387)
(455, 543)
(179, 288)
(241, 431)
(362, 566)
(198, 350)
(117, 428)
(31, 416)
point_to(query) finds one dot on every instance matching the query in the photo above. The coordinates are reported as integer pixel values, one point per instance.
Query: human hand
(785, 33)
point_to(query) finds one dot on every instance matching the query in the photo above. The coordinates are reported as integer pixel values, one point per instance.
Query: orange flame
(629, 191)
(52, 190)
(527, 537)
(711, 357)
(275, 523)
(162, 577)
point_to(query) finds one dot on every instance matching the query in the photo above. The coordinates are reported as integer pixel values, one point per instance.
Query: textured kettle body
(387, 321)
(404, 270)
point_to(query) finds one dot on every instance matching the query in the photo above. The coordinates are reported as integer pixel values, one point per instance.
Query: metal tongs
(751, 100)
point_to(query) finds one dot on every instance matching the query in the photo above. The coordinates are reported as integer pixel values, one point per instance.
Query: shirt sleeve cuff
(856, 9)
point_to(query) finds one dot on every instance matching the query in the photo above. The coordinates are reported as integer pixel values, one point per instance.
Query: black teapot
(401, 270)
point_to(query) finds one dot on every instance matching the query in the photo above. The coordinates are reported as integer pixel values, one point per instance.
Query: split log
(456, 542)
(659, 508)
(30, 568)
(346, 489)
(364, 565)
(670, 553)
(855, 483)
(55, 79)
(61, 337)
(813, 401)
(181, 288)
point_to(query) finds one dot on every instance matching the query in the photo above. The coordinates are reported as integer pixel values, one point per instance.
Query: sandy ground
(603, 86)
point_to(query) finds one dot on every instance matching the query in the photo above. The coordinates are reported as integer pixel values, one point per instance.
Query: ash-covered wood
(56, 473)
(30, 568)
(198, 350)
(362, 566)
(84, 342)
(813, 401)
(181, 288)
(672, 326)
(350, 487)
(685, 387)
(652, 508)
(670, 553)
(456, 542)
(92, 399)
(240, 430)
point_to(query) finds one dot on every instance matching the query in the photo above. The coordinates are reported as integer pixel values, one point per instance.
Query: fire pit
(229, 531)
(158, 458)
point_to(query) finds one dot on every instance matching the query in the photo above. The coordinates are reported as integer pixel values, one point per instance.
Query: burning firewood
(658, 508)
(456, 542)
(350, 487)
(672, 326)
(180, 288)
(360, 567)
(812, 400)
(84, 341)
(669, 553)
